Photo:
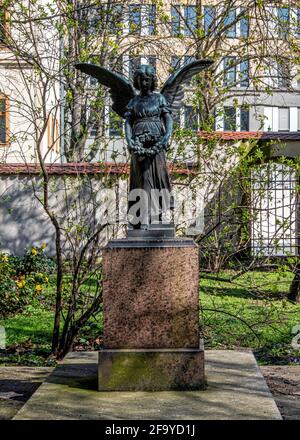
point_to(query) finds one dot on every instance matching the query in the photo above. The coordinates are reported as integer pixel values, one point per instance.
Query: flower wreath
(138, 148)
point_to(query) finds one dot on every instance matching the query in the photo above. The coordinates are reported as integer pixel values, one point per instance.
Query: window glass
(115, 124)
(209, 19)
(190, 118)
(244, 24)
(244, 73)
(115, 17)
(152, 19)
(244, 119)
(229, 71)
(190, 16)
(229, 119)
(134, 63)
(175, 20)
(3, 116)
(135, 19)
(284, 118)
(283, 75)
(230, 19)
(283, 22)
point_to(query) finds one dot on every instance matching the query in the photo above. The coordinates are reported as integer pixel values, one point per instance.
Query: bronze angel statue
(148, 117)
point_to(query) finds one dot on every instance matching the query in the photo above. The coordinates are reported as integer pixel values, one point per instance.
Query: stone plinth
(150, 294)
(151, 316)
(151, 370)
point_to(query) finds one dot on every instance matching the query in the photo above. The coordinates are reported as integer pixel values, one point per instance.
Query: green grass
(251, 312)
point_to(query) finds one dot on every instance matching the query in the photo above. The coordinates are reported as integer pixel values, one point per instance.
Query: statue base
(154, 230)
(151, 315)
(151, 370)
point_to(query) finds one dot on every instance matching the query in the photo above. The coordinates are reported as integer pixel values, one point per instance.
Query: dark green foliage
(34, 261)
(22, 278)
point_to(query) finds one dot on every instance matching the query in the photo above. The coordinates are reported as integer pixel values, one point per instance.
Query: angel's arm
(128, 132)
(168, 123)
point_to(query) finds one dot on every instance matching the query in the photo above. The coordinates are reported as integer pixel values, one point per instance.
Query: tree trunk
(294, 293)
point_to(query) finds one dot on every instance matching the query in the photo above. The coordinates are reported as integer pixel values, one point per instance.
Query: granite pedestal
(151, 315)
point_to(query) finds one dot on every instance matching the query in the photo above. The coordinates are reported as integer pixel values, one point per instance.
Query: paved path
(236, 390)
(17, 384)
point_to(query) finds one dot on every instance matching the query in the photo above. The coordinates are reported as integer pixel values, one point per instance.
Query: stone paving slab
(236, 390)
(17, 384)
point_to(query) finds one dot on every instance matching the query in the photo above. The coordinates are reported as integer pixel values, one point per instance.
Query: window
(115, 124)
(175, 20)
(244, 121)
(116, 64)
(229, 119)
(274, 206)
(229, 71)
(190, 16)
(4, 120)
(3, 24)
(244, 25)
(134, 63)
(177, 118)
(230, 19)
(135, 19)
(209, 19)
(180, 61)
(97, 17)
(283, 15)
(233, 119)
(147, 19)
(151, 19)
(283, 76)
(190, 118)
(277, 73)
(110, 15)
(284, 119)
(244, 73)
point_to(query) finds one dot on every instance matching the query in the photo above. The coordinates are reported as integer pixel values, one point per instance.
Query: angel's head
(145, 78)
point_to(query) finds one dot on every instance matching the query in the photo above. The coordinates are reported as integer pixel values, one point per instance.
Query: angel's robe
(149, 173)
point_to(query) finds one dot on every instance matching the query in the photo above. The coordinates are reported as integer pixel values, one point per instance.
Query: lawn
(250, 312)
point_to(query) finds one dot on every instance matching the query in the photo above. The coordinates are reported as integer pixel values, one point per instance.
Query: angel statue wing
(173, 89)
(121, 90)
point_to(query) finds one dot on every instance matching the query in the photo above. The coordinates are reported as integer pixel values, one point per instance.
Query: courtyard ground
(17, 384)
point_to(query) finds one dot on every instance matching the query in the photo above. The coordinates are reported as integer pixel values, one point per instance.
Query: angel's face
(145, 83)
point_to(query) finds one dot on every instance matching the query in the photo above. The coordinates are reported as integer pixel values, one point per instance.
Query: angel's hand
(165, 141)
